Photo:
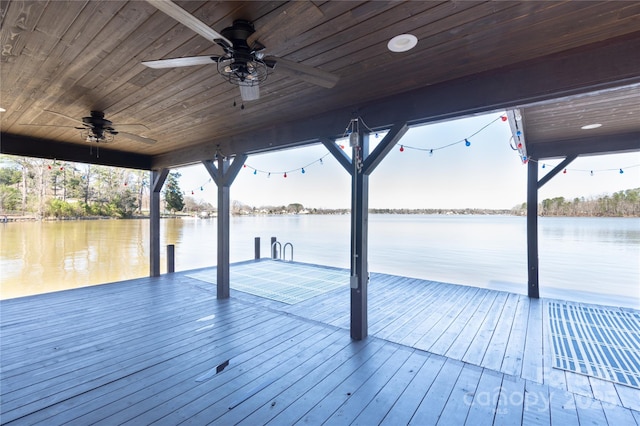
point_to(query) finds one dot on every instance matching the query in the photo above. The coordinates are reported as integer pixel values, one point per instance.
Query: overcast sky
(486, 174)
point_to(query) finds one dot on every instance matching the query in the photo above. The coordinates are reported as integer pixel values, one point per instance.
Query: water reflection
(41, 257)
(579, 255)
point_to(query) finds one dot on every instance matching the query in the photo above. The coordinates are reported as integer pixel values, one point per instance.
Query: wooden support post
(224, 176)
(171, 258)
(256, 248)
(533, 185)
(274, 254)
(360, 169)
(157, 180)
(532, 229)
(224, 220)
(359, 241)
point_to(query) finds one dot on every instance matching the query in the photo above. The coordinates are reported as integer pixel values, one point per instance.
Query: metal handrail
(284, 252)
(273, 250)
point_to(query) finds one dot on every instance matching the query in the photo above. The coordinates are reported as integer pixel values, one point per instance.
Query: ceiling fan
(96, 128)
(243, 65)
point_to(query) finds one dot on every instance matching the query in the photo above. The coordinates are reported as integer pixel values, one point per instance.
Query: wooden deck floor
(164, 350)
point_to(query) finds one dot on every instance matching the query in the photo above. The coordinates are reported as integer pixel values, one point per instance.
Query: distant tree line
(48, 188)
(58, 189)
(621, 204)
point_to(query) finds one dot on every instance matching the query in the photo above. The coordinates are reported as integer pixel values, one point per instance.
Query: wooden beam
(555, 170)
(338, 153)
(588, 145)
(385, 146)
(24, 146)
(595, 67)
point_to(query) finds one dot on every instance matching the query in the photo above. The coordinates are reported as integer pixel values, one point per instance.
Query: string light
(286, 173)
(592, 172)
(466, 141)
(402, 148)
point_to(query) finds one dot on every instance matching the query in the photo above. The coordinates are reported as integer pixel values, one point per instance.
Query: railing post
(171, 258)
(257, 248)
(273, 247)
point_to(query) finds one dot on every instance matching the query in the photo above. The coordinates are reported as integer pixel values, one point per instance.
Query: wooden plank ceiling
(72, 57)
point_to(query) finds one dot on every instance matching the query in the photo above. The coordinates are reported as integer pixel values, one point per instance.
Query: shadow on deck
(165, 349)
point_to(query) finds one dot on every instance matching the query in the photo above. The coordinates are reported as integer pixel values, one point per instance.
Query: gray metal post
(532, 229)
(171, 258)
(273, 248)
(256, 247)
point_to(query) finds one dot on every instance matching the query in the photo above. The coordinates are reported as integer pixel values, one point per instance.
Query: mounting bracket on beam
(517, 133)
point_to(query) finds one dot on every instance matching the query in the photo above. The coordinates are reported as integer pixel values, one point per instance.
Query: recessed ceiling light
(591, 126)
(402, 43)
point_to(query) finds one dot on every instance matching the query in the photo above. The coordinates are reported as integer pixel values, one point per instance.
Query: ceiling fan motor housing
(99, 125)
(241, 65)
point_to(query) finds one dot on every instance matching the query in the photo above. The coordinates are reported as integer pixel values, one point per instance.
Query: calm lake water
(589, 259)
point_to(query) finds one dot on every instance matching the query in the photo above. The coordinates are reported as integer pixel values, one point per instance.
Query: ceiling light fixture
(402, 43)
(591, 126)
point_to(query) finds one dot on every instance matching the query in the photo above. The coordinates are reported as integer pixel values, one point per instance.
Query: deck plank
(510, 401)
(455, 413)
(589, 411)
(562, 406)
(479, 345)
(495, 353)
(433, 404)
(151, 350)
(368, 390)
(462, 323)
(485, 400)
(536, 404)
(514, 353)
(462, 341)
(260, 374)
(533, 359)
(290, 387)
(440, 325)
(402, 411)
(378, 408)
(307, 401)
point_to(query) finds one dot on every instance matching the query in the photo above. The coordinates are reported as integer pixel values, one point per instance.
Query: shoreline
(406, 212)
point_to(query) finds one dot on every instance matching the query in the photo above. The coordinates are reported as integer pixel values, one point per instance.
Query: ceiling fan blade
(305, 72)
(64, 116)
(188, 20)
(52, 125)
(135, 128)
(137, 138)
(181, 62)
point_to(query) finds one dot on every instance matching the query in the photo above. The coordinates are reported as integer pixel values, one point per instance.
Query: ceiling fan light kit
(243, 65)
